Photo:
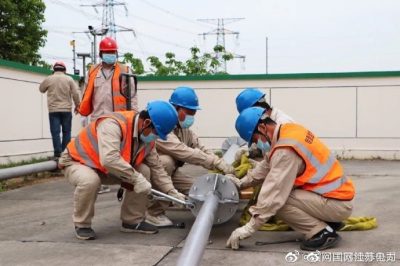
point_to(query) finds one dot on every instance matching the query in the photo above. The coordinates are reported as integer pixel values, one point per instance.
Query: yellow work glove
(241, 233)
(244, 166)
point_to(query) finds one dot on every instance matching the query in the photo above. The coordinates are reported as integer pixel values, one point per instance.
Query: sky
(308, 36)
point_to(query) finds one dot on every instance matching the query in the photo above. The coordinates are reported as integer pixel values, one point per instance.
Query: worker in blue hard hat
(119, 148)
(251, 97)
(303, 183)
(183, 146)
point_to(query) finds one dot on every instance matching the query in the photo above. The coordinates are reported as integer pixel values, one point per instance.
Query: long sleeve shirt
(102, 97)
(277, 177)
(60, 89)
(184, 145)
(109, 143)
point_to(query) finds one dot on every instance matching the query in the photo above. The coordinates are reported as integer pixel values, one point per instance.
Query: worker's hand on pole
(176, 194)
(234, 179)
(240, 233)
(141, 185)
(222, 166)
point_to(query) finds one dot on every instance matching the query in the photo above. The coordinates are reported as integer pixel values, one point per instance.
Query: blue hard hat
(163, 116)
(247, 98)
(247, 122)
(185, 97)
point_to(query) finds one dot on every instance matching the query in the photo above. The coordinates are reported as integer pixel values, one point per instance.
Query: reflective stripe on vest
(118, 99)
(141, 155)
(330, 186)
(84, 148)
(323, 174)
(322, 168)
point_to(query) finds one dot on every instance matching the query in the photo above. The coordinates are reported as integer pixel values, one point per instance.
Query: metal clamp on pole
(159, 195)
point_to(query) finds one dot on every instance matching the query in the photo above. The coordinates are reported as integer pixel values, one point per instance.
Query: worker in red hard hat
(102, 94)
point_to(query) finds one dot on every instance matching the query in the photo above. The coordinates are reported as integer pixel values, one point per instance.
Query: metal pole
(8, 173)
(94, 49)
(74, 55)
(266, 55)
(84, 68)
(197, 239)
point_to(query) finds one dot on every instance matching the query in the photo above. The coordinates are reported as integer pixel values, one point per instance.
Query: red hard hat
(59, 65)
(108, 44)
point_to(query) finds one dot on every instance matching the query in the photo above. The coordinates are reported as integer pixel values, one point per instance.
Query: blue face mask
(109, 58)
(188, 122)
(263, 146)
(149, 138)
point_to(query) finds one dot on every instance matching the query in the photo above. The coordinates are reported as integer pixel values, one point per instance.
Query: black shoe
(142, 227)
(336, 226)
(85, 233)
(320, 241)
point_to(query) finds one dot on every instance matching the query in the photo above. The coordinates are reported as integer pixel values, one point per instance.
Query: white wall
(356, 117)
(25, 129)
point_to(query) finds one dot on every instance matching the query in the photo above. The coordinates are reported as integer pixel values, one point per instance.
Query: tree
(137, 64)
(197, 64)
(21, 32)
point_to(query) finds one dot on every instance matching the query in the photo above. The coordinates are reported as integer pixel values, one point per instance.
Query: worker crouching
(302, 182)
(119, 147)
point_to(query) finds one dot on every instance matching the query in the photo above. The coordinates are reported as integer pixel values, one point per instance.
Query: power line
(173, 14)
(108, 18)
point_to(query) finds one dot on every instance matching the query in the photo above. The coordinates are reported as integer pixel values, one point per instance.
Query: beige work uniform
(87, 180)
(102, 95)
(60, 89)
(182, 146)
(304, 211)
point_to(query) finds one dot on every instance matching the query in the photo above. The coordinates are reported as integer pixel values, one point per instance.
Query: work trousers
(182, 182)
(60, 122)
(307, 212)
(87, 183)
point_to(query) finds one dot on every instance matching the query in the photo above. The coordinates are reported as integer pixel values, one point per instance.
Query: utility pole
(266, 55)
(221, 31)
(96, 32)
(72, 43)
(108, 20)
(83, 56)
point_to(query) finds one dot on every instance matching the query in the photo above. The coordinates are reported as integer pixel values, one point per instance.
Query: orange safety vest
(84, 148)
(119, 100)
(323, 173)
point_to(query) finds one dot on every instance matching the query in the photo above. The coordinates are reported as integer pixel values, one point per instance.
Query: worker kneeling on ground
(119, 147)
(182, 146)
(304, 184)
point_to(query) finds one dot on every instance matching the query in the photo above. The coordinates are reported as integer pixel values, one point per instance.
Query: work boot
(142, 227)
(336, 226)
(160, 220)
(322, 240)
(85, 233)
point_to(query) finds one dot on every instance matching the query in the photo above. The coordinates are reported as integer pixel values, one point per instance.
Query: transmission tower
(221, 31)
(108, 19)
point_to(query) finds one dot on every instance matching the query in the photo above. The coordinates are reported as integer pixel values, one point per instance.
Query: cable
(173, 14)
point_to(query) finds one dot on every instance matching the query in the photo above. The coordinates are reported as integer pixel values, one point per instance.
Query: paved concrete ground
(36, 228)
